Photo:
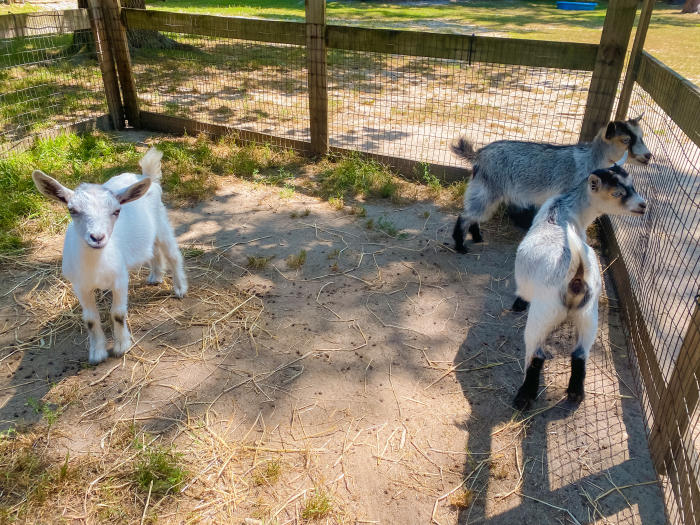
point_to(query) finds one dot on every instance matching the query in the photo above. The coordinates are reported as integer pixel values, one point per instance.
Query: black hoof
(575, 397)
(461, 249)
(475, 232)
(520, 305)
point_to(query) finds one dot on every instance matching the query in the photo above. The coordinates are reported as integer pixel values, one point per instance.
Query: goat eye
(618, 194)
(72, 211)
(625, 141)
(116, 213)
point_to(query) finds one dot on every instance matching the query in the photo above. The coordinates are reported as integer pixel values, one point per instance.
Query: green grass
(672, 36)
(17, 8)
(296, 261)
(258, 262)
(318, 506)
(157, 465)
(48, 413)
(354, 175)
(69, 158)
(269, 474)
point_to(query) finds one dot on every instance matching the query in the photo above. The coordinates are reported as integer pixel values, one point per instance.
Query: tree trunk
(691, 6)
(145, 38)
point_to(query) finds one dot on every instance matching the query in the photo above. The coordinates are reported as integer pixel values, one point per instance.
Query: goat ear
(594, 182)
(610, 131)
(133, 192)
(637, 119)
(51, 187)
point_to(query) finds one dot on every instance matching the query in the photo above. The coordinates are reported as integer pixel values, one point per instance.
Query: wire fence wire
(243, 84)
(662, 255)
(414, 107)
(49, 74)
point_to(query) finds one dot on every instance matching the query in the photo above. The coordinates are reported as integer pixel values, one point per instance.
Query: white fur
(554, 255)
(100, 248)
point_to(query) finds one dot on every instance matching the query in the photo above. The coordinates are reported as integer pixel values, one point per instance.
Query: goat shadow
(562, 454)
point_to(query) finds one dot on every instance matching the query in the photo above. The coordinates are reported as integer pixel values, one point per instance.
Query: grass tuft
(462, 499)
(269, 474)
(353, 176)
(318, 506)
(258, 262)
(296, 261)
(158, 465)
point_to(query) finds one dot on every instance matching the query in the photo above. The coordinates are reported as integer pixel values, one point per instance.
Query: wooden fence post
(318, 83)
(633, 66)
(116, 31)
(106, 60)
(617, 28)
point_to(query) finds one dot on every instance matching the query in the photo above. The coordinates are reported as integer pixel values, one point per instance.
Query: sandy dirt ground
(380, 371)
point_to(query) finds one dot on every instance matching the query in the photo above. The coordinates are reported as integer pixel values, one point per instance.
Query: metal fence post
(617, 28)
(116, 31)
(318, 82)
(633, 66)
(106, 60)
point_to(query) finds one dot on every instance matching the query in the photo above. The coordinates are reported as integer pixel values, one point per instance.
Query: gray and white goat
(116, 227)
(558, 273)
(528, 173)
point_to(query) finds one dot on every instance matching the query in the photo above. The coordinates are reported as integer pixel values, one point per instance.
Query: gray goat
(557, 273)
(528, 173)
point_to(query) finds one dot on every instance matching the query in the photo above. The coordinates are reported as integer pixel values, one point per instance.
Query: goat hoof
(461, 249)
(121, 347)
(574, 397)
(521, 402)
(153, 280)
(97, 355)
(180, 291)
(520, 305)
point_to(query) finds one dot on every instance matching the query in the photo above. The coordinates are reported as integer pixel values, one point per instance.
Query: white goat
(558, 273)
(116, 227)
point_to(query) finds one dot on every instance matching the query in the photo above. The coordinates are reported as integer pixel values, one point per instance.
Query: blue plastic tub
(577, 6)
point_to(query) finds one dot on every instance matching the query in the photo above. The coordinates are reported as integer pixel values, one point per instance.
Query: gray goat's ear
(133, 192)
(51, 187)
(638, 118)
(594, 182)
(610, 131)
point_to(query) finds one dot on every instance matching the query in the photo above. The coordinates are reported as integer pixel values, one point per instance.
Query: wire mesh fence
(230, 82)
(661, 253)
(413, 107)
(49, 74)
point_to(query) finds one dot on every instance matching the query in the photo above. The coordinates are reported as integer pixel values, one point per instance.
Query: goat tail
(462, 147)
(150, 164)
(577, 289)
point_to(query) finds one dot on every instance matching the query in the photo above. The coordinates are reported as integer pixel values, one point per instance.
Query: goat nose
(96, 238)
(647, 156)
(643, 205)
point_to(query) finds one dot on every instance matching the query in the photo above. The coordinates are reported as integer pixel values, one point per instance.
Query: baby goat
(116, 227)
(529, 173)
(558, 273)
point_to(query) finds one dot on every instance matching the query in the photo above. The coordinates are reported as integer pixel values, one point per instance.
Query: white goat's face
(614, 192)
(93, 208)
(628, 136)
(94, 211)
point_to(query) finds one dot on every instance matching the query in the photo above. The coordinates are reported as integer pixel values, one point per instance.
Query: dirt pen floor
(372, 384)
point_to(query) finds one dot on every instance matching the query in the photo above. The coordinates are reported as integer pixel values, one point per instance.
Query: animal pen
(401, 97)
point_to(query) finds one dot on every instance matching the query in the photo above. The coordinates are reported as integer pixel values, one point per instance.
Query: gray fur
(529, 173)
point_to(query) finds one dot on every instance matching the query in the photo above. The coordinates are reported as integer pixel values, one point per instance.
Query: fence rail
(657, 275)
(677, 96)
